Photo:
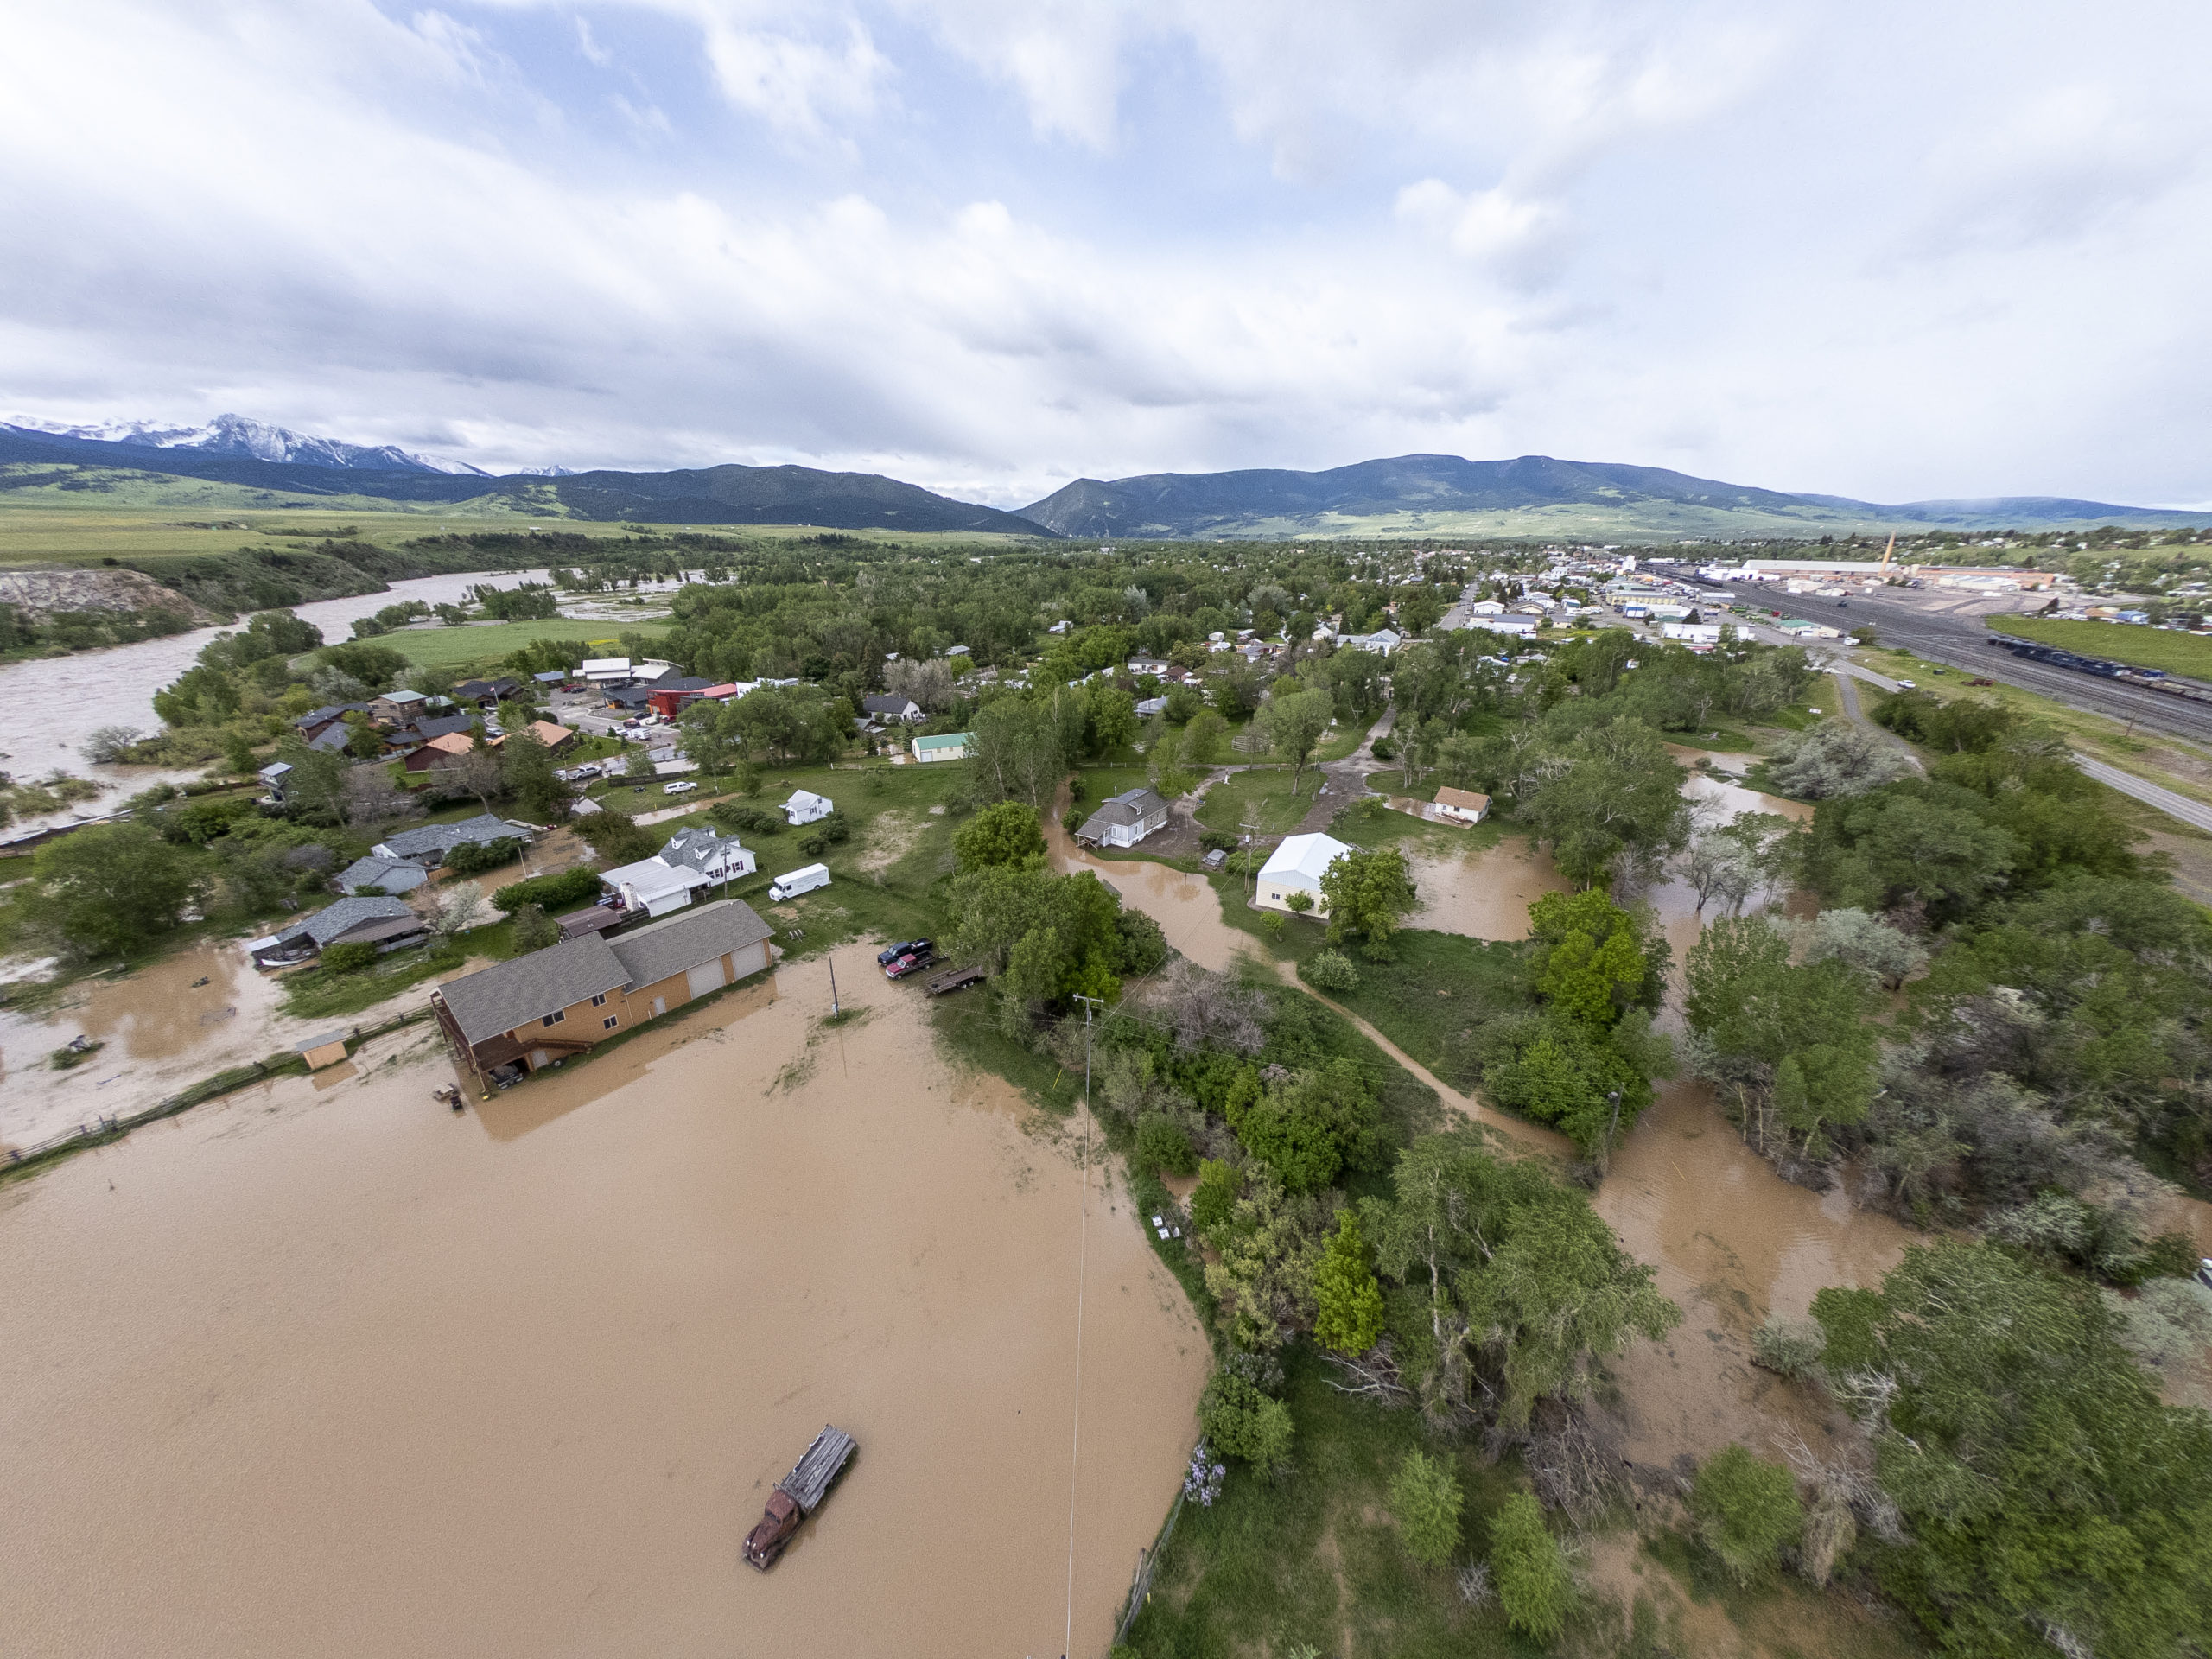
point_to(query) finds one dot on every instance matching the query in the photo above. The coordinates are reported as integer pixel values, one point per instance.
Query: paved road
(2176, 806)
(1960, 641)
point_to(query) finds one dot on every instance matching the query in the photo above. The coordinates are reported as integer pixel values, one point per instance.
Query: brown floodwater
(1484, 893)
(1184, 905)
(340, 1371)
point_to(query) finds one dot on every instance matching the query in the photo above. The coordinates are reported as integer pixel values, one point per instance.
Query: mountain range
(245, 463)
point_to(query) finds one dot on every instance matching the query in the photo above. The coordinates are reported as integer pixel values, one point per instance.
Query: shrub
(1162, 1145)
(617, 837)
(1792, 1347)
(1746, 1509)
(1348, 1299)
(471, 859)
(552, 892)
(737, 817)
(1239, 1420)
(1071, 820)
(1275, 921)
(534, 929)
(835, 828)
(1426, 1501)
(814, 843)
(1533, 1584)
(1217, 840)
(1215, 1201)
(1300, 902)
(1330, 970)
(348, 958)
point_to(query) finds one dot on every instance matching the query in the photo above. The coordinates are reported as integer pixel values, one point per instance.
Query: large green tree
(110, 889)
(1369, 894)
(1295, 722)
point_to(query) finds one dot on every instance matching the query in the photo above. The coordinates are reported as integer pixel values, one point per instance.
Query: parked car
(1981, 680)
(2204, 1272)
(1909, 685)
(885, 959)
(683, 788)
(912, 963)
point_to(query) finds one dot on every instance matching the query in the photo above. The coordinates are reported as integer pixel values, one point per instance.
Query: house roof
(888, 705)
(274, 770)
(682, 943)
(430, 726)
(549, 733)
(329, 712)
(393, 874)
(696, 848)
(1466, 799)
(1129, 806)
(551, 676)
(452, 743)
(511, 994)
(1304, 856)
(483, 830)
(331, 738)
(402, 698)
(945, 740)
(652, 878)
(808, 797)
(346, 915)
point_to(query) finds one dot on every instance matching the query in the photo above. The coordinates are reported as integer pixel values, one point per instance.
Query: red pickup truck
(798, 1494)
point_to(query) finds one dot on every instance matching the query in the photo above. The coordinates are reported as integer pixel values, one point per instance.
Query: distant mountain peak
(241, 435)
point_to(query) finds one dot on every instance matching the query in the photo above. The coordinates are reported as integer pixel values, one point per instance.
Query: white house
(719, 858)
(1461, 805)
(1383, 641)
(1519, 626)
(905, 710)
(1693, 633)
(1125, 819)
(1485, 607)
(946, 745)
(1297, 867)
(806, 807)
(654, 885)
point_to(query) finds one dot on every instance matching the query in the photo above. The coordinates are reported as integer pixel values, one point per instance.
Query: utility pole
(1089, 1004)
(834, 1010)
(1249, 824)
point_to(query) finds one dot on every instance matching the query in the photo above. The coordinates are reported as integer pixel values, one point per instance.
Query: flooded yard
(342, 1372)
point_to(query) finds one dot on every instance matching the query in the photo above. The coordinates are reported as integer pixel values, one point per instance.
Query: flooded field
(341, 1372)
(1484, 893)
(1184, 905)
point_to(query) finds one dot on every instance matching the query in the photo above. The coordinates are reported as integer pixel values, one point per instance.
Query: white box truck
(798, 882)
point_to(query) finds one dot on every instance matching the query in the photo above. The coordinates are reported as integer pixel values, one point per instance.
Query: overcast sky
(1891, 250)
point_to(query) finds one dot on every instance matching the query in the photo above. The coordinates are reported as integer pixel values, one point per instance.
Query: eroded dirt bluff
(341, 1372)
(41, 591)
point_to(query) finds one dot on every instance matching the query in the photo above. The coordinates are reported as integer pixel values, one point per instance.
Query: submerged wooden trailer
(798, 1494)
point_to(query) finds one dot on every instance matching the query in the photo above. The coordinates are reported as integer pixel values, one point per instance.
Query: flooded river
(77, 695)
(341, 1372)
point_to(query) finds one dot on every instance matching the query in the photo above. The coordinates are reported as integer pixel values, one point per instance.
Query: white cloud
(990, 246)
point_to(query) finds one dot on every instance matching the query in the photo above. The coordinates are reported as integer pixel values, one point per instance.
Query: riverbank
(569, 1340)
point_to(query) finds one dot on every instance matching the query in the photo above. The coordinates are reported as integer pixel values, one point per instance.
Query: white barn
(1297, 865)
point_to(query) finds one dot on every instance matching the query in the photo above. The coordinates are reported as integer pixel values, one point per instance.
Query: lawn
(1265, 791)
(488, 644)
(2177, 653)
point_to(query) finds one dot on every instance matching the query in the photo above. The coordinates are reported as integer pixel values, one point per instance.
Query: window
(610, 1022)
(554, 1018)
(600, 1002)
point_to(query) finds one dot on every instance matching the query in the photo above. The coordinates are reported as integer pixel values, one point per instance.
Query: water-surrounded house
(1125, 819)
(1461, 805)
(518, 1016)
(429, 845)
(386, 923)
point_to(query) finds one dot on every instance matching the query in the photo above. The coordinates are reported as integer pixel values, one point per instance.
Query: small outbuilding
(806, 807)
(326, 1050)
(947, 746)
(1462, 805)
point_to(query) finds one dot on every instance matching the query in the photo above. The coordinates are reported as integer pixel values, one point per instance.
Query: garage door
(707, 976)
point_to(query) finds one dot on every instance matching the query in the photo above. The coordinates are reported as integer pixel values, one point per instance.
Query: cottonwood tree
(1018, 754)
(1369, 894)
(1295, 724)
(109, 889)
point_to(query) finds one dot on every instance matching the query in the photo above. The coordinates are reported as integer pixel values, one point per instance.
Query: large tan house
(518, 1016)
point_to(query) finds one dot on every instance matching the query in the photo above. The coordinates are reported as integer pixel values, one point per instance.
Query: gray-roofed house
(332, 738)
(517, 1016)
(387, 874)
(905, 710)
(430, 726)
(429, 845)
(386, 923)
(1125, 819)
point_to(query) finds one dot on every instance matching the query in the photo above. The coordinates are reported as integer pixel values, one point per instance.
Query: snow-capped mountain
(235, 434)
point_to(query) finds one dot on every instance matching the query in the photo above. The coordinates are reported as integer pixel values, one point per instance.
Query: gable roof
(402, 698)
(1130, 806)
(347, 914)
(696, 848)
(452, 743)
(483, 830)
(1305, 856)
(682, 943)
(433, 726)
(807, 797)
(393, 874)
(332, 738)
(507, 995)
(889, 705)
(944, 740)
(654, 878)
(1466, 799)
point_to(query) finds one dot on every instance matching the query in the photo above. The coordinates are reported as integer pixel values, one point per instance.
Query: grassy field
(1266, 791)
(2177, 653)
(489, 643)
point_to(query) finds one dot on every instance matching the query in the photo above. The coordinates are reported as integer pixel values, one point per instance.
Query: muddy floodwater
(1185, 905)
(1485, 891)
(338, 1371)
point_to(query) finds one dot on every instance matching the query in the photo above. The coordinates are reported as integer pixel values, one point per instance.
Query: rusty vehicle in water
(798, 1494)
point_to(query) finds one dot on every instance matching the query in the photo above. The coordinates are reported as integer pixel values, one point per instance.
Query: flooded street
(342, 1372)
(164, 1027)
(77, 695)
